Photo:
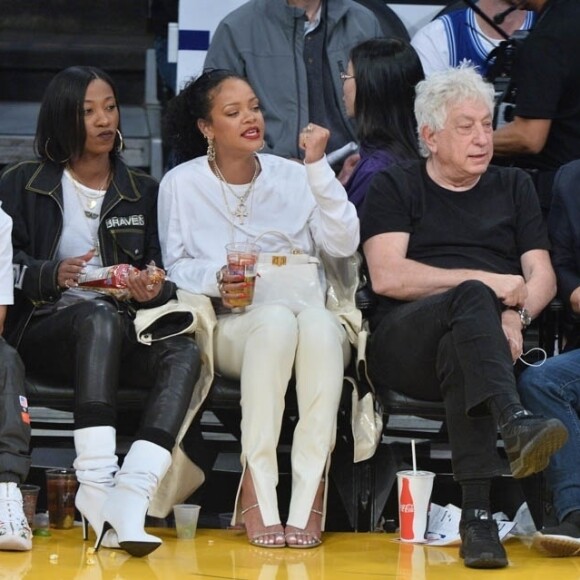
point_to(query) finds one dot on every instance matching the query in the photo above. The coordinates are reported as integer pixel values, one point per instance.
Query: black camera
(499, 73)
(500, 63)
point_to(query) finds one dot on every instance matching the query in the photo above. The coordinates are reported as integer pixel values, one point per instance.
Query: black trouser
(92, 346)
(14, 419)
(450, 347)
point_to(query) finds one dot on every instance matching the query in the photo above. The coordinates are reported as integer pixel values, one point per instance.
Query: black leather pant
(92, 346)
(14, 420)
(450, 347)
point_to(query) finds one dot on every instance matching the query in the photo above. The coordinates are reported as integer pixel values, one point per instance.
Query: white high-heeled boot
(126, 507)
(95, 465)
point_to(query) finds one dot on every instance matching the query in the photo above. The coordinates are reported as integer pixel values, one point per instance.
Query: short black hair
(60, 128)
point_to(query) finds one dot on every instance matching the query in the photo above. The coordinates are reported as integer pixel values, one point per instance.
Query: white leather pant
(261, 347)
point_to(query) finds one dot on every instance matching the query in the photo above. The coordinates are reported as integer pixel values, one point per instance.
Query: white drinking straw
(414, 456)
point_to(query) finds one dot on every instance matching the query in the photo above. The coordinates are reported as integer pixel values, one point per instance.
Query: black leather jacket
(31, 193)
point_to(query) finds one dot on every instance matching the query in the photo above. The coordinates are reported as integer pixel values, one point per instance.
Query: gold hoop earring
(262, 146)
(50, 157)
(210, 149)
(46, 150)
(121, 142)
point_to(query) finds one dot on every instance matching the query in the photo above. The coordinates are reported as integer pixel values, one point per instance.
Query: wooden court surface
(225, 554)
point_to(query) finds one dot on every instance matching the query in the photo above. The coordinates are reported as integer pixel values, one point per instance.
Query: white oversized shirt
(306, 202)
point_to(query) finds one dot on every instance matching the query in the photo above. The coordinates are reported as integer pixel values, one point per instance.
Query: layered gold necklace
(241, 210)
(89, 200)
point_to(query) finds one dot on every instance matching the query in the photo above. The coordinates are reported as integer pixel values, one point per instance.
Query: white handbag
(290, 278)
(171, 319)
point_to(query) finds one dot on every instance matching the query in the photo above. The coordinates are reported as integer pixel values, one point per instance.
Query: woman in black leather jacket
(77, 209)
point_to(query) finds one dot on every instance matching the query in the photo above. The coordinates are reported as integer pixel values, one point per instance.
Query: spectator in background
(463, 34)
(161, 13)
(545, 132)
(379, 92)
(292, 52)
(554, 387)
(15, 533)
(458, 256)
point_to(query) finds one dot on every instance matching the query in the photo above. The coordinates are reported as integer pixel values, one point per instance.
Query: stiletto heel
(125, 509)
(106, 527)
(90, 501)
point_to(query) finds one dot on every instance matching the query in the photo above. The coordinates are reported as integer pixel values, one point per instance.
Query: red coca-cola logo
(407, 508)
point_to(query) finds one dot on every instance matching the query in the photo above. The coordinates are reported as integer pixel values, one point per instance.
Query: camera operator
(545, 131)
(468, 33)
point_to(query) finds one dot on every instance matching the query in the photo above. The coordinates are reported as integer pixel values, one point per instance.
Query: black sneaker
(559, 541)
(530, 441)
(480, 544)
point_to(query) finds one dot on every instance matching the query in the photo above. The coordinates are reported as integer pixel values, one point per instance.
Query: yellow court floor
(225, 554)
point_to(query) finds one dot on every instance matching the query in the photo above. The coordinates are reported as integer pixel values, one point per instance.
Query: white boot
(126, 507)
(15, 533)
(96, 465)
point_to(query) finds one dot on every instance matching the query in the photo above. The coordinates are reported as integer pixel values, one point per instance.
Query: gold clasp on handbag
(278, 260)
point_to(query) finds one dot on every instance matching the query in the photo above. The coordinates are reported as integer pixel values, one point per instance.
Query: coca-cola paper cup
(415, 489)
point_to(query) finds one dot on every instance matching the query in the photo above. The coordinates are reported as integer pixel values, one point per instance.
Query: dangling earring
(210, 150)
(262, 145)
(121, 142)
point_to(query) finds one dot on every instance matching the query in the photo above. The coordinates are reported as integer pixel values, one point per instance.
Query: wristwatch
(525, 316)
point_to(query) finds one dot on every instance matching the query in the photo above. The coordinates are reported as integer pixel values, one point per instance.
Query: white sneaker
(15, 533)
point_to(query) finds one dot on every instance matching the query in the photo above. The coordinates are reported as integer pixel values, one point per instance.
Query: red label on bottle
(406, 511)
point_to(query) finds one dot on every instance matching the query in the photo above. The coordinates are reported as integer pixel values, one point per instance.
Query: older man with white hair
(457, 254)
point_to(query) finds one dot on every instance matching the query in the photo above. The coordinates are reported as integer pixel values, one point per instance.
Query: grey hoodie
(263, 40)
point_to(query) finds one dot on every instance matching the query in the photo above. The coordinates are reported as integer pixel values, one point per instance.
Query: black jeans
(450, 347)
(14, 419)
(92, 346)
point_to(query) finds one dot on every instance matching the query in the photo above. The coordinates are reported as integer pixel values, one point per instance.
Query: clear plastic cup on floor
(29, 500)
(186, 517)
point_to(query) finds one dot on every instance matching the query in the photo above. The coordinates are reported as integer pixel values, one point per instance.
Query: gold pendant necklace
(241, 211)
(89, 200)
(89, 215)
